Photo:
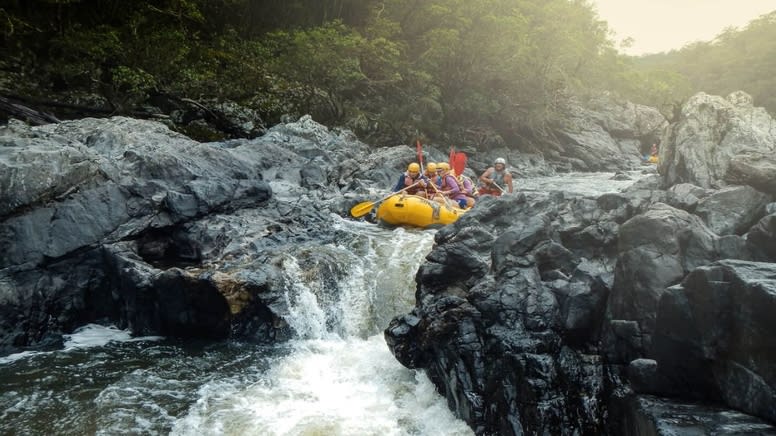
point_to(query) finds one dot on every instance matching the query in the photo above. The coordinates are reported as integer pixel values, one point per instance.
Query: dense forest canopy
(469, 72)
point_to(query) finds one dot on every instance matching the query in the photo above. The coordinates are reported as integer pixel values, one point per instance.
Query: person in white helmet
(496, 180)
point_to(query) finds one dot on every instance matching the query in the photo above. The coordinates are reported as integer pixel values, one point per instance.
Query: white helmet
(500, 160)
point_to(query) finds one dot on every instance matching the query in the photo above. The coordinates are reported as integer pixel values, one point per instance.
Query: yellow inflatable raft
(411, 210)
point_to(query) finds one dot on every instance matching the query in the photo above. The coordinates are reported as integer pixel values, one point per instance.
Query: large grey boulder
(761, 239)
(646, 415)
(605, 134)
(137, 175)
(125, 220)
(732, 210)
(656, 250)
(686, 196)
(755, 168)
(32, 171)
(509, 306)
(721, 140)
(714, 336)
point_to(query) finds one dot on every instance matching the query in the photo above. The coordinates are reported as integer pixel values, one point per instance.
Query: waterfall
(337, 377)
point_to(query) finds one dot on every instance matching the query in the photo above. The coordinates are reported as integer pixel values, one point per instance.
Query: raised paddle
(362, 209)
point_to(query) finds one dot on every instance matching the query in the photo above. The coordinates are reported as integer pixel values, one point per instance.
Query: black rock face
(125, 221)
(543, 314)
(508, 318)
(715, 335)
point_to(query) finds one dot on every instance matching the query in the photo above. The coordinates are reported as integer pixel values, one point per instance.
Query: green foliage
(735, 60)
(461, 71)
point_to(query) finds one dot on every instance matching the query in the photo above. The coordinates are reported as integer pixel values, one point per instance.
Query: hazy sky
(662, 25)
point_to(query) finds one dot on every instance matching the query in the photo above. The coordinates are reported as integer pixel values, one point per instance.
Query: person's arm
(485, 177)
(508, 182)
(452, 184)
(468, 186)
(400, 184)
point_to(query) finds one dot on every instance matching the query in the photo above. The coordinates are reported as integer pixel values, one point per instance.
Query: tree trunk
(32, 116)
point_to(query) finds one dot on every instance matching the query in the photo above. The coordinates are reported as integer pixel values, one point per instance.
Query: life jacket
(466, 185)
(408, 181)
(498, 177)
(445, 183)
(448, 185)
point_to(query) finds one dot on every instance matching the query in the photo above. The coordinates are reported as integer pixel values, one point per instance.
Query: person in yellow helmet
(412, 181)
(448, 186)
(430, 172)
(431, 177)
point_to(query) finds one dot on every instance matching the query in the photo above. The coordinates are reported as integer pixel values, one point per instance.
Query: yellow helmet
(413, 168)
(444, 166)
(431, 167)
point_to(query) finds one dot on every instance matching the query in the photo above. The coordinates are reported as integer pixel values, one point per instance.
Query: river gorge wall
(642, 312)
(542, 312)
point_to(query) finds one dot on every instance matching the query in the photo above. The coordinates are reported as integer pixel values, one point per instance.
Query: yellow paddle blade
(362, 209)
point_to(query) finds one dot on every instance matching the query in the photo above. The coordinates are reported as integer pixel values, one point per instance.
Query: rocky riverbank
(549, 314)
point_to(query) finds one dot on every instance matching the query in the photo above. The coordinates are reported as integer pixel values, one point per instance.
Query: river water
(337, 377)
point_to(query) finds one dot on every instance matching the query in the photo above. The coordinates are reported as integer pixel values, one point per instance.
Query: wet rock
(713, 336)
(624, 341)
(656, 249)
(175, 219)
(648, 415)
(503, 326)
(621, 176)
(581, 309)
(720, 140)
(732, 210)
(643, 376)
(607, 134)
(761, 239)
(686, 196)
(36, 306)
(551, 256)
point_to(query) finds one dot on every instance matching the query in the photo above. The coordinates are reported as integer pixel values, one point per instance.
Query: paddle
(499, 187)
(362, 209)
(419, 149)
(444, 197)
(458, 162)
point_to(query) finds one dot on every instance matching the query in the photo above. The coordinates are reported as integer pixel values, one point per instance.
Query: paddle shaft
(499, 187)
(444, 197)
(362, 209)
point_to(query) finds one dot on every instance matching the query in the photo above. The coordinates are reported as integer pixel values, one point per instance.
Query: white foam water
(19, 356)
(339, 378)
(576, 183)
(336, 377)
(87, 336)
(95, 335)
(326, 387)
